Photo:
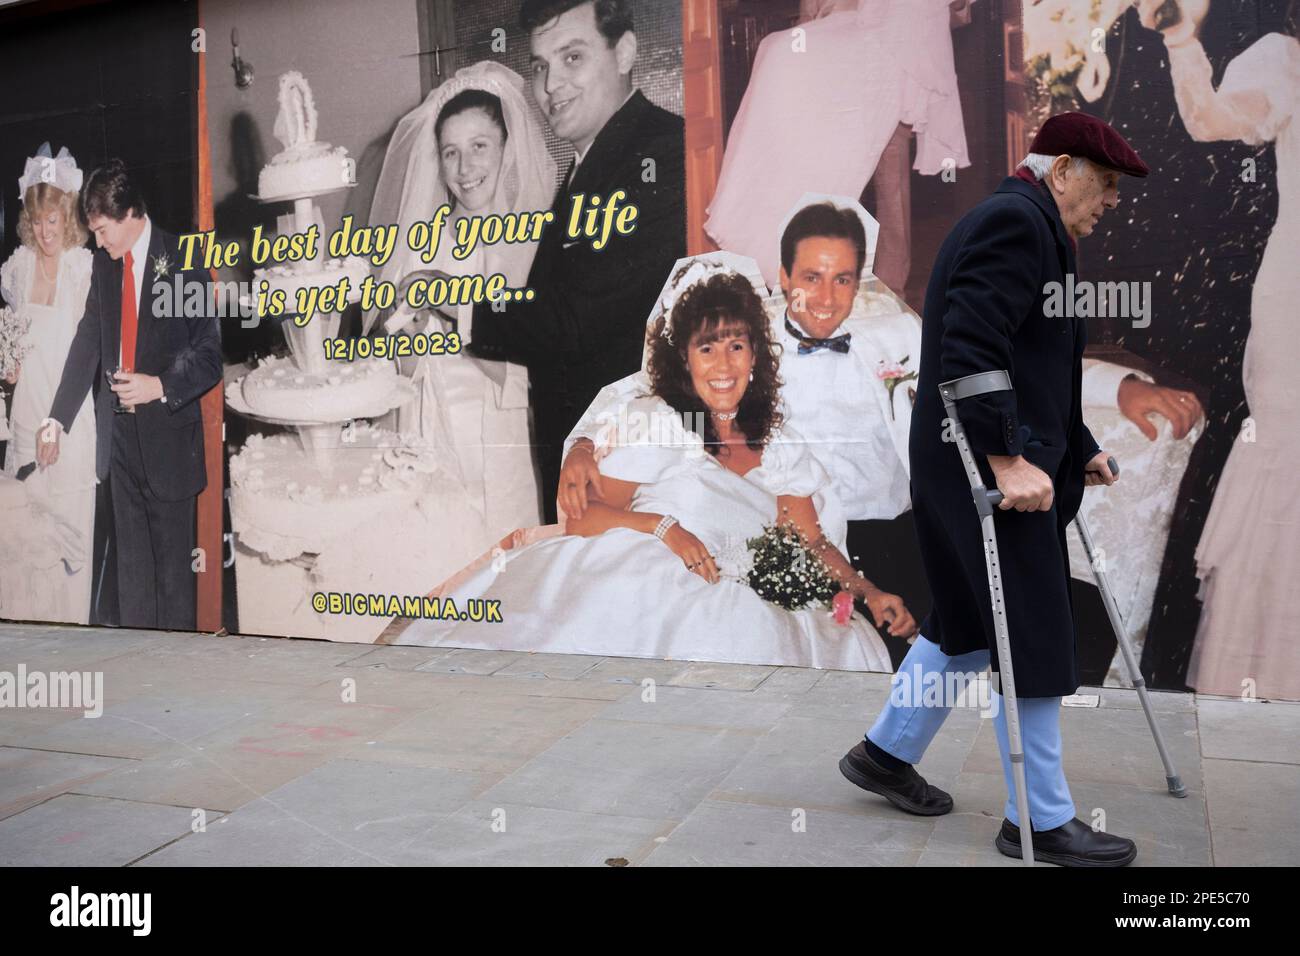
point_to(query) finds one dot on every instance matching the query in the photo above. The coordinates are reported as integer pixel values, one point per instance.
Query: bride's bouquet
(1065, 48)
(14, 345)
(786, 572)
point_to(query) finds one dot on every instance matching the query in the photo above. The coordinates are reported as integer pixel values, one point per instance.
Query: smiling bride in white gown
(46, 572)
(657, 565)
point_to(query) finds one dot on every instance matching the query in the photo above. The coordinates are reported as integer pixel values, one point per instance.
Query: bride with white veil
(472, 144)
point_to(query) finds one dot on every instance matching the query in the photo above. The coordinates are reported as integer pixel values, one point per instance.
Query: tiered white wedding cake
(337, 504)
(287, 507)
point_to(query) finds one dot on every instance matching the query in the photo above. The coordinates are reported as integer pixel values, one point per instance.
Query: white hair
(1040, 163)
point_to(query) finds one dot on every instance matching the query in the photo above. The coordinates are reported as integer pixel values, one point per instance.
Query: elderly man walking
(984, 311)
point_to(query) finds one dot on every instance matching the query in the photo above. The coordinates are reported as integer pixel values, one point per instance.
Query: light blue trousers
(908, 723)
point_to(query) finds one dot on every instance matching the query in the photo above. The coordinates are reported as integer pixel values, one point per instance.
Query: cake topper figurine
(295, 126)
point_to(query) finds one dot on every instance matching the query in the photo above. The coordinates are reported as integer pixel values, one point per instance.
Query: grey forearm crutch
(1174, 782)
(952, 392)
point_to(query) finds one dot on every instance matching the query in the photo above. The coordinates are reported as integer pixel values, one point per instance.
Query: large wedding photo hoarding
(709, 228)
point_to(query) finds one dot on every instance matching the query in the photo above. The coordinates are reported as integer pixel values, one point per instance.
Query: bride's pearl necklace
(726, 416)
(40, 261)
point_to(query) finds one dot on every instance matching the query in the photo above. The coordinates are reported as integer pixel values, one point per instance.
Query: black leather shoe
(904, 788)
(1071, 844)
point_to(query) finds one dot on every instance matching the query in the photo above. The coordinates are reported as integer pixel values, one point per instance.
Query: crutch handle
(995, 497)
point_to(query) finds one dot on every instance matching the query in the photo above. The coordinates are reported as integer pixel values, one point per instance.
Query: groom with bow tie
(585, 327)
(149, 428)
(845, 390)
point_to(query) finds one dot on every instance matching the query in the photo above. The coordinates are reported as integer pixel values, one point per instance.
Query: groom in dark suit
(586, 326)
(148, 427)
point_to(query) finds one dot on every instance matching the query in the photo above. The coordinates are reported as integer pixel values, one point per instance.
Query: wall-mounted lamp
(243, 69)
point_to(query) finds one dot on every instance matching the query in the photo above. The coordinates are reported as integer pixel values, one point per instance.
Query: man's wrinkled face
(579, 80)
(822, 283)
(1083, 196)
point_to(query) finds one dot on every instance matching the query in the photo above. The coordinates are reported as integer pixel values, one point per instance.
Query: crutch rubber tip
(1176, 787)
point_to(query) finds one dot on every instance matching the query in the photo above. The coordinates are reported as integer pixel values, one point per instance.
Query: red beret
(1078, 134)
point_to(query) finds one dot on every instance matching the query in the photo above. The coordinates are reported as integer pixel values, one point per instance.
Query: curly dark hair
(710, 309)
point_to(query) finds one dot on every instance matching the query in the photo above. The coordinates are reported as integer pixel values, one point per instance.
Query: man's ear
(625, 52)
(1057, 172)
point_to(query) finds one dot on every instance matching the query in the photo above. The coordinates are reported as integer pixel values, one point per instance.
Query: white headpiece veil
(60, 171)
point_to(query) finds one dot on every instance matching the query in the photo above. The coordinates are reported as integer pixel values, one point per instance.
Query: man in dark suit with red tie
(585, 327)
(149, 430)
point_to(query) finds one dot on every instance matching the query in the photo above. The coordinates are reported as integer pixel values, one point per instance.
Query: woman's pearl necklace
(726, 416)
(40, 260)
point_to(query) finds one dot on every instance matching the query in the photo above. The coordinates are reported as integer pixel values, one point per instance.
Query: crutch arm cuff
(977, 383)
(986, 404)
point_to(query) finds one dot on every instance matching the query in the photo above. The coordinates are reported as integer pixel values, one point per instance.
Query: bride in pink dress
(823, 102)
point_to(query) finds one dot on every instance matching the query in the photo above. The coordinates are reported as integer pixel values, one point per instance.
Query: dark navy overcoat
(984, 310)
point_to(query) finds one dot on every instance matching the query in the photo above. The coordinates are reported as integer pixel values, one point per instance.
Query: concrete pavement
(244, 750)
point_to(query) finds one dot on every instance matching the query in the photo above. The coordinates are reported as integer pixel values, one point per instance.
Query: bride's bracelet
(661, 529)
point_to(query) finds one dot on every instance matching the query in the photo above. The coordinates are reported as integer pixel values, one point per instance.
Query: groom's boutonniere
(893, 374)
(162, 266)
